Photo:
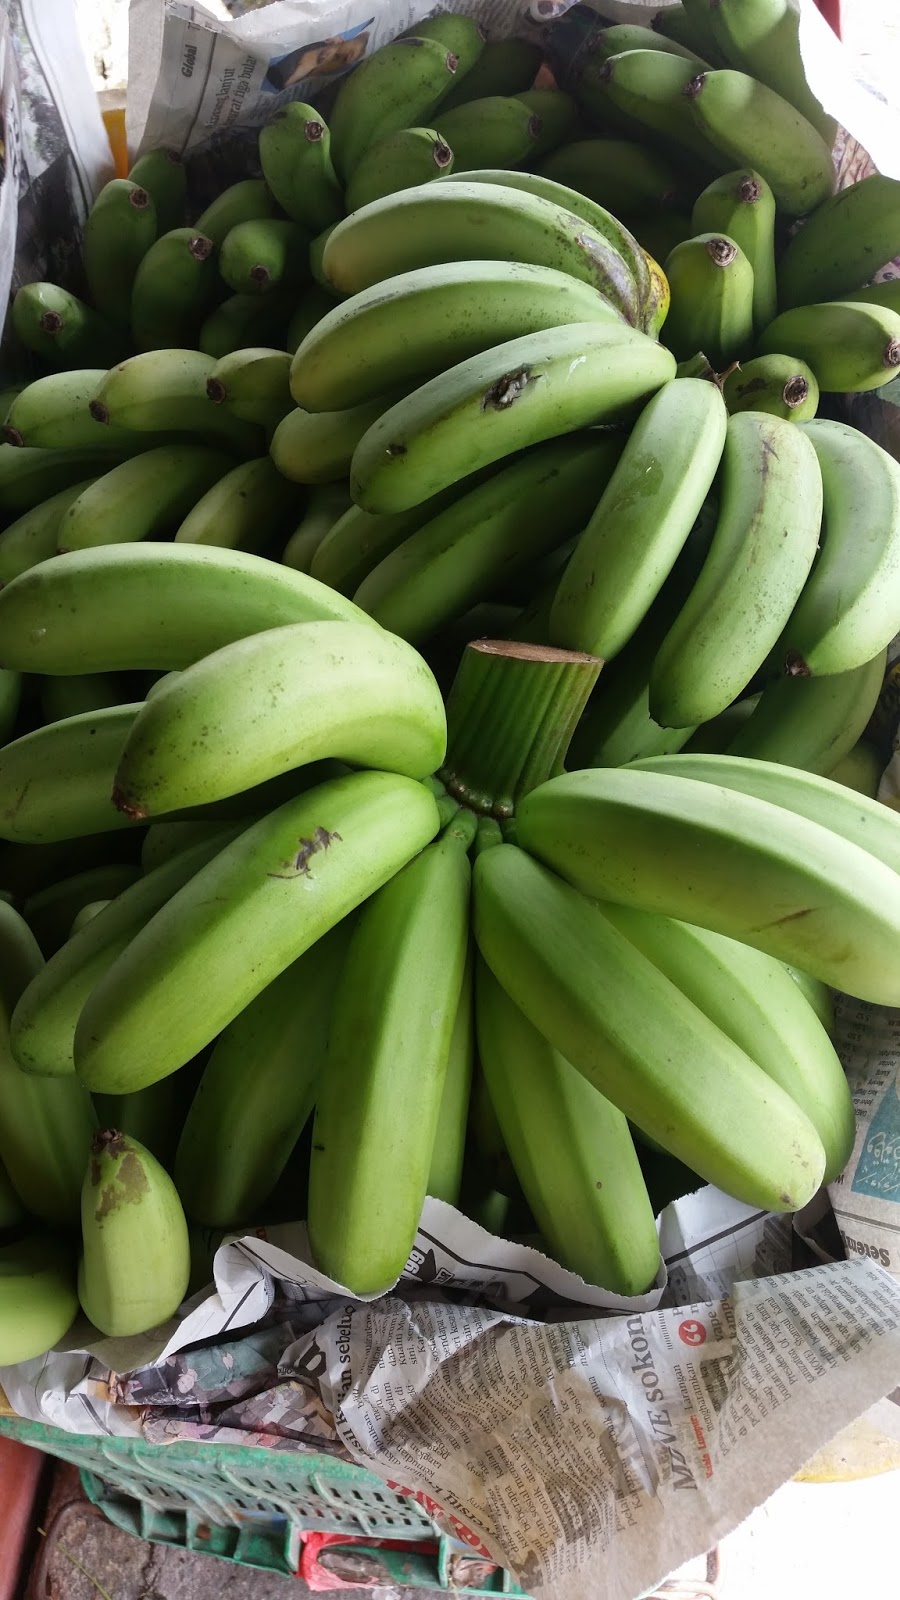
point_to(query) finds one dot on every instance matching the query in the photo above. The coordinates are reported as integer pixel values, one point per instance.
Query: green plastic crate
(249, 1504)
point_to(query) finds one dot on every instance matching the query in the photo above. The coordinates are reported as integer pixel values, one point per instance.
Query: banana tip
(12, 435)
(215, 390)
(99, 411)
(128, 808)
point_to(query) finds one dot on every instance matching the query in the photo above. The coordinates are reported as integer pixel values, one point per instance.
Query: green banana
(166, 390)
(250, 508)
(50, 912)
(419, 323)
(648, 88)
(314, 304)
(691, 28)
(520, 393)
(848, 609)
(818, 995)
(55, 782)
(632, 1033)
(360, 540)
(42, 1032)
(886, 293)
(660, 233)
(642, 519)
(614, 41)
(505, 66)
(153, 1116)
(136, 1261)
(755, 1002)
(763, 548)
(783, 386)
(498, 131)
(144, 498)
(82, 691)
(252, 384)
(458, 33)
(10, 699)
(398, 86)
(249, 200)
(617, 173)
(62, 330)
(725, 860)
(762, 37)
(711, 282)
(850, 346)
(448, 1152)
(860, 769)
(843, 245)
(277, 701)
(34, 537)
(238, 923)
(379, 1101)
(715, 737)
(742, 206)
(257, 1091)
(247, 319)
(571, 1149)
(38, 1303)
(151, 606)
(120, 228)
(753, 126)
(814, 722)
(463, 554)
(326, 506)
(402, 160)
(164, 176)
(318, 446)
(557, 113)
(28, 477)
(86, 915)
(175, 287)
(863, 823)
(317, 263)
(477, 218)
(53, 413)
(45, 1128)
(257, 257)
(166, 839)
(295, 155)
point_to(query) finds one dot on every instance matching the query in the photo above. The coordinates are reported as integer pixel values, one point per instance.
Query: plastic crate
(253, 1506)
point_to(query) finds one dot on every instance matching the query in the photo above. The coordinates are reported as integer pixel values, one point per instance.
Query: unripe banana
(247, 319)
(154, 1116)
(45, 1128)
(886, 293)
(784, 386)
(240, 921)
(614, 41)
(257, 1091)
(398, 86)
(849, 608)
(174, 288)
(42, 1032)
(742, 206)
(249, 200)
(144, 498)
(812, 722)
(252, 384)
(660, 233)
(166, 390)
(753, 126)
(87, 914)
(166, 839)
(763, 548)
(417, 324)
(250, 508)
(257, 257)
(522, 392)
(860, 769)
(153, 606)
(50, 911)
(317, 262)
(464, 553)
(34, 537)
(315, 303)
(636, 1037)
(29, 477)
(318, 446)
(136, 1263)
(647, 88)
(762, 37)
(326, 505)
(850, 346)
(793, 888)
(379, 1099)
(38, 1303)
(642, 519)
(448, 1152)
(120, 228)
(55, 782)
(499, 131)
(163, 174)
(402, 160)
(690, 28)
(456, 32)
(843, 245)
(557, 113)
(62, 330)
(360, 540)
(616, 173)
(571, 1149)
(711, 283)
(755, 1002)
(53, 413)
(295, 155)
(278, 701)
(505, 66)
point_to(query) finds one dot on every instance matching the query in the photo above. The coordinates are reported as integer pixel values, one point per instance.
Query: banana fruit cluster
(295, 920)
